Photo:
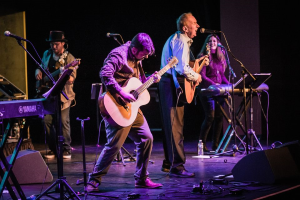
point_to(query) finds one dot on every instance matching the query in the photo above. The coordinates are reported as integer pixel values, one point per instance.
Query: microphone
(219, 45)
(203, 30)
(8, 34)
(112, 34)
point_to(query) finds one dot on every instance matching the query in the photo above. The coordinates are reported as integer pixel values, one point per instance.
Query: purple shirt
(212, 76)
(115, 71)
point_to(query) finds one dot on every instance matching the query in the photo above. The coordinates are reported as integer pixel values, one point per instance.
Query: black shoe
(166, 166)
(183, 173)
(205, 149)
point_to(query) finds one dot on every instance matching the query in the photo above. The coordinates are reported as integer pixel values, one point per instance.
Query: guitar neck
(150, 81)
(202, 63)
(53, 74)
(200, 67)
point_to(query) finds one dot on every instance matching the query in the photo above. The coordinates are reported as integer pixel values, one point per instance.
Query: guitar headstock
(207, 49)
(173, 61)
(77, 61)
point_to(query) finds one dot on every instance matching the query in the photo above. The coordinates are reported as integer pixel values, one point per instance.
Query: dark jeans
(213, 119)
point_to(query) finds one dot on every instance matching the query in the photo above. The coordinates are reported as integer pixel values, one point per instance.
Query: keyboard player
(213, 74)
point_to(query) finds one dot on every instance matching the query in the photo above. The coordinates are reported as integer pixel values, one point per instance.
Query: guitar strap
(142, 73)
(174, 74)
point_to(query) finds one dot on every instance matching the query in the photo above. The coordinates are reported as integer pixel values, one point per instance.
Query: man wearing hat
(54, 61)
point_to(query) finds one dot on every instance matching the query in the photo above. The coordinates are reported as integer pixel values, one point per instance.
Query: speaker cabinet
(270, 166)
(29, 168)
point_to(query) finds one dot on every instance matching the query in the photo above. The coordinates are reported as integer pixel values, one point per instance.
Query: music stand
(259, 79)
(55, 93)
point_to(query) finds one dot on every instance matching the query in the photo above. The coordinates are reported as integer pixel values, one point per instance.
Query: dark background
(86, 25)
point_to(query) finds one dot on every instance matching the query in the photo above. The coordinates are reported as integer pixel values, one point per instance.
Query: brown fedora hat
(57, 36)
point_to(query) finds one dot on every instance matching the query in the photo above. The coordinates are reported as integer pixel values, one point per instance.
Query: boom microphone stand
(243, 72)
(54, 92)
(61, 181)
(120, 154)
(231, 122)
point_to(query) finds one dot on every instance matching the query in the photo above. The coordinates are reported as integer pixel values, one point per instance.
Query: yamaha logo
(27, 109)
(20, 109)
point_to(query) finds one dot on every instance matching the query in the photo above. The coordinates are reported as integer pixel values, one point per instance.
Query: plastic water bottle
(200, 148)
(16, 131)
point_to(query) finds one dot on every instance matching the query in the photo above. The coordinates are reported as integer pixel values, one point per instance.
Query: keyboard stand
(220, 150)
(9, 165)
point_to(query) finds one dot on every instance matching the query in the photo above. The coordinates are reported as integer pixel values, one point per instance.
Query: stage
(214, 171)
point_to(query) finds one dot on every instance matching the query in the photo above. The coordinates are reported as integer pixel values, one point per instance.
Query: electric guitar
(119, 112)
(44, 85)
(187, 86)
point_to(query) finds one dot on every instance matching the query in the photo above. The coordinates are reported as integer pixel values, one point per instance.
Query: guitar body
(118, 112)
(113, 109)
(190, 88)
(187, 86)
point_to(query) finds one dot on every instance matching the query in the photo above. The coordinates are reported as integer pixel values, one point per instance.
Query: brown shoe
(166, 166)
(92, 186)
(139, 183)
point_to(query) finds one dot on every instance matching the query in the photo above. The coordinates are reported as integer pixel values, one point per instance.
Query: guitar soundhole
(136, 96)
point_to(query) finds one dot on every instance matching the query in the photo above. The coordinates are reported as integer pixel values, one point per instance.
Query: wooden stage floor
(119, 182)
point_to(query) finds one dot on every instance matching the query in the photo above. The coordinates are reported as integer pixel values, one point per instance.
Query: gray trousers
(52, 133)
(139, 133)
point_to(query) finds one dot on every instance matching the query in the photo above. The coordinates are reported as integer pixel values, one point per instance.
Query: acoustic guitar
(122, 113)
(43, 85)
(187, 86)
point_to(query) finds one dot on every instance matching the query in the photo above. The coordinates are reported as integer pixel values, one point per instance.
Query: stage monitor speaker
(30, 168)
(270, 166)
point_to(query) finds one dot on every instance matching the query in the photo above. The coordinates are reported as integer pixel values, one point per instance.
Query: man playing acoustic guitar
(123, 64)
(54, 61)
(172, 110)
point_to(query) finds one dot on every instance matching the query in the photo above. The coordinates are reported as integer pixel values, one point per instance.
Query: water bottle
(16, 131)
(200, 148)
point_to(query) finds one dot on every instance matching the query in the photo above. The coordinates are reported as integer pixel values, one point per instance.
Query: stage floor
(119, 182)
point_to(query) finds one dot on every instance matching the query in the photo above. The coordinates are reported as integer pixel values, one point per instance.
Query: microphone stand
(120, 154)
(232, 94)
(232, 124)
(115, 38)
(243, 72)
(55, 93)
